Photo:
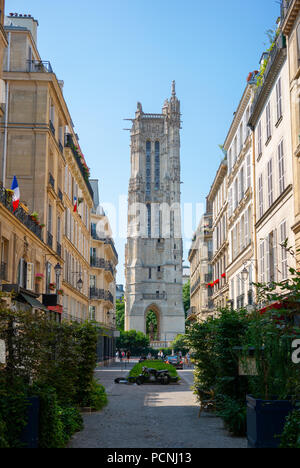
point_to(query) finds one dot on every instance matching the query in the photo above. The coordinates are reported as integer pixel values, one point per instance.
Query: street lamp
(245, 275)
(80, 284)
(58, 271)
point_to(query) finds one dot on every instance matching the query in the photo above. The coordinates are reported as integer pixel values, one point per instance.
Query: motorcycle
(149, 375)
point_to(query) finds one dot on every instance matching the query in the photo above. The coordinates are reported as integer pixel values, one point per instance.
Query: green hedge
(137, 369)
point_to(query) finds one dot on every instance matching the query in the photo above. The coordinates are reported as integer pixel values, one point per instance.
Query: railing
(51, 180)
(70, 144)
(52, 128)
(97, 262)
(153, 116)
(20, 214)
(60, 195)
(285, 7)
(58, 248)
(96, 293)
(279, 45)
(61, 147)
(109, 267)
(111, 243)
(3, 271)
(49, 239)
(39, 66)
(158, 297)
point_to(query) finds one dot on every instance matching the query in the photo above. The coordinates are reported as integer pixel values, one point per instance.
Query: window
(93, 281)
(92, 311)
(268, 121)
(247, 234)
(241, 136)
(148, 168)
(248, 171)
(281, 168)
(149, 219)
(230, 160)
(94, 230)
(150, 273)
(270, 182)
(283, 259)
(235, 150)
(58, 229)
(259, 139)
(157, 165)
(270, 257)
(279, 99)
(260, 196)
(242, 186)
(236, 194)
(262, 262)
(230, 203)
(50, 219)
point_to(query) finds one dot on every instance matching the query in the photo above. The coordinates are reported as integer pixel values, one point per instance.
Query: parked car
(175, 361)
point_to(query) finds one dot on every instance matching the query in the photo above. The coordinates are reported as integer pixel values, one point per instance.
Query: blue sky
(114, 53)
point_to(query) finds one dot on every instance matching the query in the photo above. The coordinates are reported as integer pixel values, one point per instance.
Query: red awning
(275, 306)
(57, 308)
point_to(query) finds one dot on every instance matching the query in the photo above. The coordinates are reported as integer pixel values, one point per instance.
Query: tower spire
(173, 88)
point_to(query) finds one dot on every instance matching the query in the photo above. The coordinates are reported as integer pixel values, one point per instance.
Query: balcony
(70, 144)
(39, 66)
(61, 147)
(51, 180)
(110, 269)
(49, 239)
(97, 294)
(3, 271)
(97, 262)
(20, 214)
(52, 128)
(155, 297)
(60, 195)
(58, 249)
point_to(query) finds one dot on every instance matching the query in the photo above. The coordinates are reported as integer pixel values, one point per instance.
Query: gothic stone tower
(154, 245)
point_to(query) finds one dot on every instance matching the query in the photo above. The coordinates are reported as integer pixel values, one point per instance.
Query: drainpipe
(4, 161)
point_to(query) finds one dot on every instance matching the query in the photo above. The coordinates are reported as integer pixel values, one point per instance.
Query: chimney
(23, 21)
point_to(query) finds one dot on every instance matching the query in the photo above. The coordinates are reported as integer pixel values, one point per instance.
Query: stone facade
(291, 30)
(241, 213)
(154, 246)
(200, 256)
(218, 199)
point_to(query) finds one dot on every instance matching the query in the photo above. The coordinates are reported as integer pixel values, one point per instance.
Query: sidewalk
(151, 417)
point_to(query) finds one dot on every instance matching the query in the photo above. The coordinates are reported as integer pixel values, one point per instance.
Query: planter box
(266, 421)
(30, 435)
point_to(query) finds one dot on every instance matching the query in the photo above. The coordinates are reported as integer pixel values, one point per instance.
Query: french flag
(16, 195)
(75, 204)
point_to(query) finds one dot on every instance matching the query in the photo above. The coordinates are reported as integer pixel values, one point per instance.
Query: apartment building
(103, 263)
(241, 234)
(3, 45)
(41, 148)
(270, 121)
(200, 256)
(290, 24)
(218, 199)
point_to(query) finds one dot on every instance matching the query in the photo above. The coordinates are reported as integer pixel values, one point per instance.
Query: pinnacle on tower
(173, 88)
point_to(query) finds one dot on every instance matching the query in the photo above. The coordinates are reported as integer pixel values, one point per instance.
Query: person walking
(118, 354)
(128, 355)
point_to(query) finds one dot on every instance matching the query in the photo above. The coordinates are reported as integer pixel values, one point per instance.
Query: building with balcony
(240, 210)
(200, 256)
(218, 199)
(270, 121)
(290, 25)
(38, 145)
(103, 263)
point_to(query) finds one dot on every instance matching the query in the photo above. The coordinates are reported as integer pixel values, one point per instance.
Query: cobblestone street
(151, 417)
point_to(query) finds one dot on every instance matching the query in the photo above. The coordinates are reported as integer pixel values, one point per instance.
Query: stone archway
(153, 322)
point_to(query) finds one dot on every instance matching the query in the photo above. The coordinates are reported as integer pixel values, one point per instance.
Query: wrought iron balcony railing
(60, 195)
(52, 128)
(97, 262)
(70, 144)
(49, 239)
(20, 214)
(58, 249)
(51, 180)
(39, 66)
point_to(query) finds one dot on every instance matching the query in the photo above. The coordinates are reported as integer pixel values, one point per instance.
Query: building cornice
(220, 176)
(277, 58)
(274, 205)
(290, 17)
(238, 116)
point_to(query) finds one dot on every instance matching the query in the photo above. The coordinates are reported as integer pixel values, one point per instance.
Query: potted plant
(275, 389)
(39, 276)
(52, 286)
(60, 292)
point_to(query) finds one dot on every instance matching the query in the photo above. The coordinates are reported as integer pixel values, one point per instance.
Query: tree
(180, 344)
(133, 341)
(120, 314)
(186, 294)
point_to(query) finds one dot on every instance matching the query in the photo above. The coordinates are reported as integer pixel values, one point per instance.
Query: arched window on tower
(149, 219)
(157, 165)
(148, 168)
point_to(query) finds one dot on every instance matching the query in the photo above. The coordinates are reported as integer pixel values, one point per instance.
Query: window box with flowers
(60, 292)
(52, 286)
(39, 276)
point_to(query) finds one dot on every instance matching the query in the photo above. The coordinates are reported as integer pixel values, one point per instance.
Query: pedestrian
(118, 354)
(149, 356)
(123, 354)
(128, 355)
(188, 359)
